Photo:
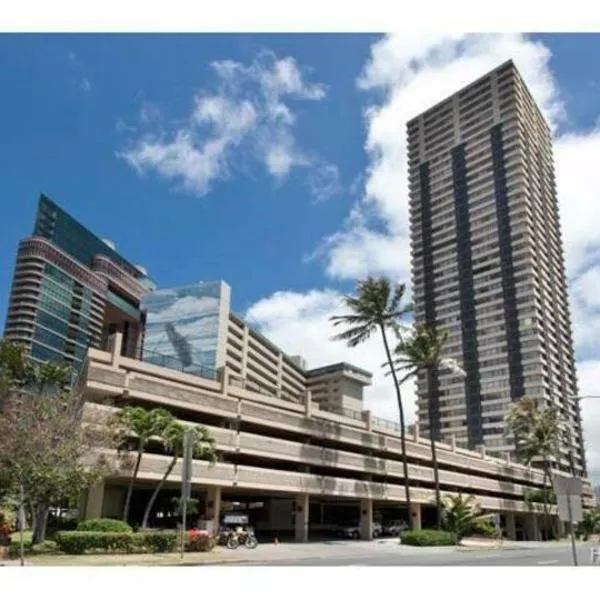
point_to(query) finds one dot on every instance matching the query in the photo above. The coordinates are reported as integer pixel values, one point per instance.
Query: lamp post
(574, 474)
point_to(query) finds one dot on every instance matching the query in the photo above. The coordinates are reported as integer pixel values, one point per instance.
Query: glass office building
(71, 290)
(183, 325)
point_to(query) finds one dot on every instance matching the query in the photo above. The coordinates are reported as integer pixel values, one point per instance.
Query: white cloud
(414, 72)
(248, 117)
(299, 324)
(86, 85)
(410, 72)
(589, 376)
(188, 306)
(324, 182)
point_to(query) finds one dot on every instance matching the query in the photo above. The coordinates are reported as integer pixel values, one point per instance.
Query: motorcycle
(240, 537)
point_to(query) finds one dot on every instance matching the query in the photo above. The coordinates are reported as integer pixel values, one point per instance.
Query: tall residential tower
(488, 263)
(71, 290)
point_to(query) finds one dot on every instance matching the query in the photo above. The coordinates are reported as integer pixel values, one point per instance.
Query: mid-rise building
(193, 329)
(487, 262)
(72, 290)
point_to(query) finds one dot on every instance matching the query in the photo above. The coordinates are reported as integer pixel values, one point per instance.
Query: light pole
(574, 475)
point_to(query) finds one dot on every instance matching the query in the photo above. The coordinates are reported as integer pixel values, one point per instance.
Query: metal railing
(386, 424)
(346, 412)
(236, 381)
(175, 363)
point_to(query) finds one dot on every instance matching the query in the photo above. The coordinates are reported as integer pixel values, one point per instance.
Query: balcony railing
(251, 386)
(173, 362)
(386, 424)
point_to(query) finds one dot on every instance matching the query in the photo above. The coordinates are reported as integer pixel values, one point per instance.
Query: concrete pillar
(415, 516)
(213, 506)
(561, 529)
(94, 501)
(117, 345)
(532, 527)
(366, 519)
(308, 404)
(368, 419)
(511, 528)
(416, 432)
(225, 380)
(482, 451)
(453, 442)
(301, 518)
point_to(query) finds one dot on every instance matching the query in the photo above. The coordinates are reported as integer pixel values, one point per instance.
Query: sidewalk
(263, 553)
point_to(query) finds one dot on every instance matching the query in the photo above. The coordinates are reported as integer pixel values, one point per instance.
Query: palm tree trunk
(436, 473)
(402, 426)
(41, 522)
(132, 481)
(156, 492)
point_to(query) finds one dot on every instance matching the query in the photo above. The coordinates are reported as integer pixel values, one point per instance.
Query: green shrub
(540, 496)
(428, 537)
(157, 541)
(47, 547)
(484, 528)
(80, 542)
(200, 541)
(104, 525)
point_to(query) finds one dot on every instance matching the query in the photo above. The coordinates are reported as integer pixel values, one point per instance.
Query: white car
(352, 530)
(395, 528)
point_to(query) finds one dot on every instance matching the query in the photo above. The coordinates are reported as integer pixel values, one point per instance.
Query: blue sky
(61, 136)
(276, 163)
(65, 96)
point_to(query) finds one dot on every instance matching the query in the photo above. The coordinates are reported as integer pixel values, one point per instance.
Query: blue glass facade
(182, 327)
(62, 318)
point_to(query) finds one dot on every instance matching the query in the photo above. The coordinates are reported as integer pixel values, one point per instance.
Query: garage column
(94, 501)
(301, 518)
(532, 527)
(510, 526)
(415, 516)
(366, 519)
(213, 506)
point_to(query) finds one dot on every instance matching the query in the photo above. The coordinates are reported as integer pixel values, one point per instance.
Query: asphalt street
(548, 556)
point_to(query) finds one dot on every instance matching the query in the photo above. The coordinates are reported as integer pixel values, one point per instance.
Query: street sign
(186, 472)
(564, 484)
(568, 498)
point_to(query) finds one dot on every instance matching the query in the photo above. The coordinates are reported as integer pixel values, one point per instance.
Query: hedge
(80, 542)
(47, 547)
(428, 537)
(105, 525)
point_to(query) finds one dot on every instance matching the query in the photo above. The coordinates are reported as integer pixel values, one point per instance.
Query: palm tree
(423, 352)
(378, 307)
(462, 514)
(536, 434)
(144, 424)
(173, 439)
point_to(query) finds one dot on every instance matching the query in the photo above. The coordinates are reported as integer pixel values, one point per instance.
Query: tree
(590, 524)
(422, 351)
(536, 435)
(377, 307)
(462, 515)
(173, 440)
(142, 424)
(49, 450)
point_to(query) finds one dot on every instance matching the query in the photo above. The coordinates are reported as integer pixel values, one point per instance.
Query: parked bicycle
(240, 537)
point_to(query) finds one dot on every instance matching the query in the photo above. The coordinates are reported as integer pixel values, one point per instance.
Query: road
(544, 556)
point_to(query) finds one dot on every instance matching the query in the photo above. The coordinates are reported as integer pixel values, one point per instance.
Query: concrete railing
(123, 376)
(152, 468)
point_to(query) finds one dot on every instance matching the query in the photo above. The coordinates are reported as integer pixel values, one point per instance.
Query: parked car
(394, 528)
(352, 530)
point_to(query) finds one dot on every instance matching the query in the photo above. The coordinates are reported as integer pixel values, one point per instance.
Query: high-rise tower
(488, 263)
(71, 290)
